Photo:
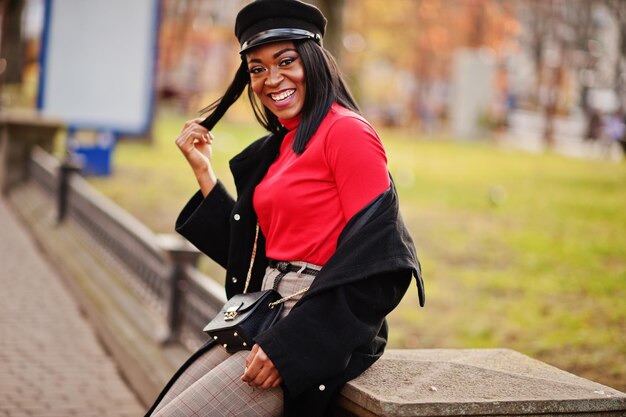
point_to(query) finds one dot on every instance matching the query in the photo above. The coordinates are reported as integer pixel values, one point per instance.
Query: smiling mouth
(283, 95)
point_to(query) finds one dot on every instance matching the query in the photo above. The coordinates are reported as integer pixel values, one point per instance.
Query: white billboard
(98, 63)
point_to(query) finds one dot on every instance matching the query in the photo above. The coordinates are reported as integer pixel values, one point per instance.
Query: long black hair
(324, 86)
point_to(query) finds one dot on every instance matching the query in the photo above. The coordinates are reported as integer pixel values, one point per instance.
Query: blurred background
(469, 67)
(505, 128)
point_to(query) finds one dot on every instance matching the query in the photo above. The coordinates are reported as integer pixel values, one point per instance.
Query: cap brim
(277, 35)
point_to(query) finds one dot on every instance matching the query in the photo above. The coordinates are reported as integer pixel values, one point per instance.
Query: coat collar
(251, 164)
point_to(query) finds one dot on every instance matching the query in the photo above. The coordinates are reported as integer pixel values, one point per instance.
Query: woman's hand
(195, 142)
(260, 370)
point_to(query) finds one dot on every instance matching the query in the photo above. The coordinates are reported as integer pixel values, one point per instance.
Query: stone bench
(20, 132)
(471, 382)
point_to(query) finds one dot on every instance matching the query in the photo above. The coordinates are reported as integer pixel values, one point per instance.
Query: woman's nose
(274, 77)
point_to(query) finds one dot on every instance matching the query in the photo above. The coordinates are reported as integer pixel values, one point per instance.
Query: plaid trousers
(211, 385)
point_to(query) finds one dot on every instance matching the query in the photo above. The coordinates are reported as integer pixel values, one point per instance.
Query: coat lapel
(249, 166)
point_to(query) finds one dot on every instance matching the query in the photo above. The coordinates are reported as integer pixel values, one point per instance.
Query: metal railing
(159, 268)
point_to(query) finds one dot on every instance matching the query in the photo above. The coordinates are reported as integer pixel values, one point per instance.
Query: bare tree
(618, 9)
(12, 47)
(584, 29)
(333, 10)
(560, 40)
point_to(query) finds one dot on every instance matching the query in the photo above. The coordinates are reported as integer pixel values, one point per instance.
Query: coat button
(322, 387)
(236, 217)
(234, 280)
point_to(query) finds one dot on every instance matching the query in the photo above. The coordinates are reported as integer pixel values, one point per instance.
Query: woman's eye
(255, 70)
(286, 61)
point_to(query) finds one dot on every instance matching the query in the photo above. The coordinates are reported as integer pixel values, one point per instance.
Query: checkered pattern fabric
(290, 284)
(211, 385)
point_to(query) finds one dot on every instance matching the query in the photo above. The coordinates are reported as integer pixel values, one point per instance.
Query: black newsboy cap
(264, 21)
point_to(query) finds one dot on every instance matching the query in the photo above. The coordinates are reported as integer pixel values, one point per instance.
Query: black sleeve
(318, 337)
(205, 222)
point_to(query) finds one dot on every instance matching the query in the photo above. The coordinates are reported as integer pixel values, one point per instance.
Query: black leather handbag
(246, 315)
(243, 317)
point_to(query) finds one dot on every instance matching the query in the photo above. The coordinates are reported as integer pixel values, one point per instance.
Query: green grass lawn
(521, 251)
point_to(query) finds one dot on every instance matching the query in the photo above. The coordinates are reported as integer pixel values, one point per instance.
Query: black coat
(338, 328)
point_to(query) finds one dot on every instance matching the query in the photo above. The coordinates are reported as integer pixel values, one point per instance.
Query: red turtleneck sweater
(305, 200)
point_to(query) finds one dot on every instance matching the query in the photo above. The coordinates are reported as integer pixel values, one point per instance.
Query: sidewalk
(51, 364)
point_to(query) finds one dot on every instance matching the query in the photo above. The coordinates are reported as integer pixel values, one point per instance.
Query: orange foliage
(422, 35)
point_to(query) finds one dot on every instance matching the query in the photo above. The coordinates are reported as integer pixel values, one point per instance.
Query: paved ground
(51, 364)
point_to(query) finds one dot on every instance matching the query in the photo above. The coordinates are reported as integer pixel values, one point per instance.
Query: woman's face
(277, 78)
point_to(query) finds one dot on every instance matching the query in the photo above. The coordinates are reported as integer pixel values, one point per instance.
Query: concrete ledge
(20, 132)
(485, 382)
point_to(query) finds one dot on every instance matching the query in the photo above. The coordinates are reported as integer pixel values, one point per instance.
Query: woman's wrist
(207, 181)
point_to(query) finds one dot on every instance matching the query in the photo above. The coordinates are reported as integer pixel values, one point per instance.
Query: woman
(316, 217)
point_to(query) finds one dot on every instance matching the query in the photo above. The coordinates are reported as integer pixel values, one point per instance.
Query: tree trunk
(333, 10)
(620, 77)
(12, 43)
(618, 9)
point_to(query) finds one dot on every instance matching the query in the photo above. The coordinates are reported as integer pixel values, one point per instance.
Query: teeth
(282, 96)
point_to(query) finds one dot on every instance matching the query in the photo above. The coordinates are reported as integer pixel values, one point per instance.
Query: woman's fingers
(271, 381)
(277, 382)
(193, 126)
(192, 135)
(254, 364)
(266, 376)
(260, 370)
(208, 138)
(195, 121)
(268, 382)
(195, 141)
(252, 354)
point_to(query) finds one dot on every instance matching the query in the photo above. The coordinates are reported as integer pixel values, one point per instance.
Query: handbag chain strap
(249, 275)
(289, 297)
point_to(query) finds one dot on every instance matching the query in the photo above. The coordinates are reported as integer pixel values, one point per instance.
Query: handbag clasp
(232, 313)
